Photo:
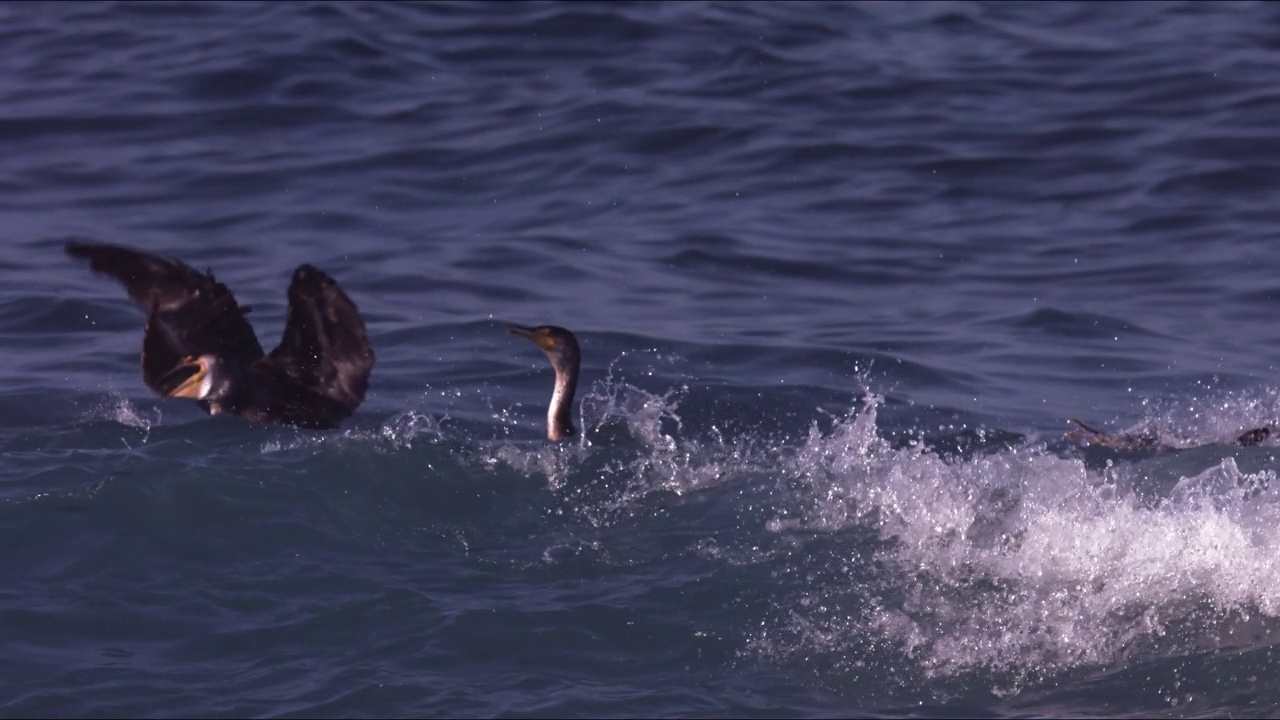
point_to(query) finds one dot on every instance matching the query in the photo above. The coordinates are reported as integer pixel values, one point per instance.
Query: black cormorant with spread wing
(561, 348)
(197, 343)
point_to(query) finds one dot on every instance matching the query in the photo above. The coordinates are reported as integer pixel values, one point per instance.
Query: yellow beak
(542, 340)
(190, 388)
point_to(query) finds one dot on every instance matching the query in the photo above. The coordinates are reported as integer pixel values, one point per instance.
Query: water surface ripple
(840, 272)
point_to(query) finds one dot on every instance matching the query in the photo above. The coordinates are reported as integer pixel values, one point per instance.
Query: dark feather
(1253, 437)
(325, 348)
(198, 314)
(160, 355)
(317, 376)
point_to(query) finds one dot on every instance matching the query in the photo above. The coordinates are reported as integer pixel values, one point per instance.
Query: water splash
(1210, 416)
(1019, 562)
(117, 408)
(399, 432)
(898, 561)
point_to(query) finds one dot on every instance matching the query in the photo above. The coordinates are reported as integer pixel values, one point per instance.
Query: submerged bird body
(1149, 441)
(197, 343)
(561, 348)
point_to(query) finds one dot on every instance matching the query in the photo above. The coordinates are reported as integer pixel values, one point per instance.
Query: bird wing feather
(187, 310)
(325, 348)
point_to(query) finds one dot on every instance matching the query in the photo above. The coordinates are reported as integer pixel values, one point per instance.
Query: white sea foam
(1022, 560)
(1016, 560)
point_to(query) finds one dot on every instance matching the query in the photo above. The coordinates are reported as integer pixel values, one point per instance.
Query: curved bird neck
(560, 411)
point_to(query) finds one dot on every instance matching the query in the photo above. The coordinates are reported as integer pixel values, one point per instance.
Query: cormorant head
(559, 344)
(561, 348)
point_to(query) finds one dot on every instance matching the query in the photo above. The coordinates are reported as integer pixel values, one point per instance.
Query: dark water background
(840, 273)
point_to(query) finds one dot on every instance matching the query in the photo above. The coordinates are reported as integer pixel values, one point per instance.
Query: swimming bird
(197, 343)
(561, 348)
(1149, 441)
(1120, 441)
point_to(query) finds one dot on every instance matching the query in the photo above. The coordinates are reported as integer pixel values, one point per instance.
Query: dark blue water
(840, 273)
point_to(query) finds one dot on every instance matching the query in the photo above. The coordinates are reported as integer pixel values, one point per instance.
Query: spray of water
(1016, 562)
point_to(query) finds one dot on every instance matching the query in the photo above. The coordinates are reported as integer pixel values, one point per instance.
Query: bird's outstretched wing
(188, 312)
(324, 353)
(162, 359)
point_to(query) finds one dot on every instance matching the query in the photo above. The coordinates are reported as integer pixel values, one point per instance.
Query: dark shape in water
(1254, 436)
(1148, 441)
(561, 348)
(197, 343)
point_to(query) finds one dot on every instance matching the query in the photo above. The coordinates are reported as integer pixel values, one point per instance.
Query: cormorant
(197, 343)
(561, 348)
(1149, 441)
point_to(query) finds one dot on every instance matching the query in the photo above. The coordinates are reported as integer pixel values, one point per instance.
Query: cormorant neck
(560, 411)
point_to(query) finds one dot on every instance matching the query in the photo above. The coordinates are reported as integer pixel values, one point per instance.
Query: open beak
(546, 342)
(189, 388)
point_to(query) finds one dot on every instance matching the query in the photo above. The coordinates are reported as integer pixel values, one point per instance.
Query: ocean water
(840, 273)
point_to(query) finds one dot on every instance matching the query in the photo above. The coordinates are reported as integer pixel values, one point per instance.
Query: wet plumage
(197, 343)
(1148, 441)
(561, 348)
